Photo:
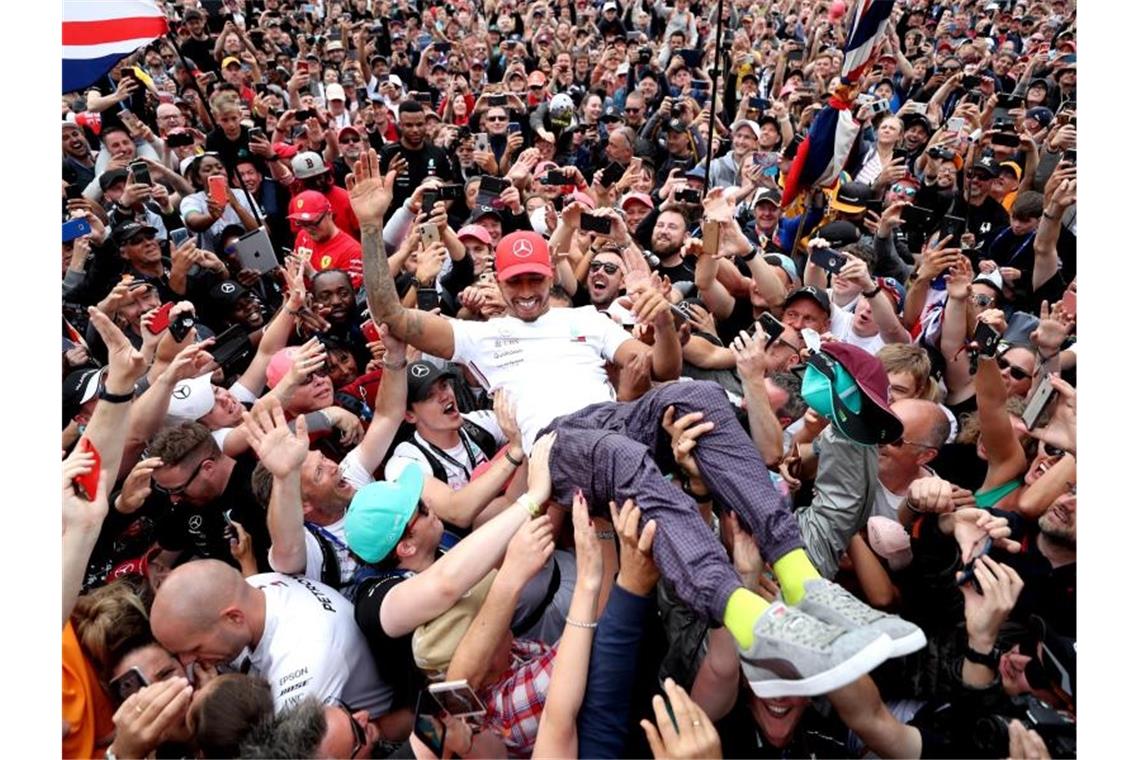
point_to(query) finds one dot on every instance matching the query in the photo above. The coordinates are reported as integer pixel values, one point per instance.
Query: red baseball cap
(307, 206)
(476, 232)
(522, 253)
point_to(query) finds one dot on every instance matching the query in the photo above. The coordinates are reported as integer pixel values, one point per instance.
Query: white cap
(334, 45)
(889, 539)
(993, 278)
(395, 79)
(308, 164)
(746, 123)
(334, 92)
(190, 401)
(609, 7)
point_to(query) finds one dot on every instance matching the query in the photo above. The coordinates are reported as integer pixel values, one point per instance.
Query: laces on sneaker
(800, 629)
(837, 599)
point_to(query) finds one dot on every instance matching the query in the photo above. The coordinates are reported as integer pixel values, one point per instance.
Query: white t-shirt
(843, 328)
(552, 366)
(311, 646)
(467, 453)
(196, 203)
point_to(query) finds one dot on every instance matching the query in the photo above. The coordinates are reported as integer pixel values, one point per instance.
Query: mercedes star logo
(181, 391)
(228, 287)
(522, 248)
(420, 370)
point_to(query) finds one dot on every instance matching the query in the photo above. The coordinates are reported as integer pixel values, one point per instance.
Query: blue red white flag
(821, 156)
(97, 34)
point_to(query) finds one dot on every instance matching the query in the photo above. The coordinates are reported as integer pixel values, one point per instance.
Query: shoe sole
(908, 644)
(862, 662)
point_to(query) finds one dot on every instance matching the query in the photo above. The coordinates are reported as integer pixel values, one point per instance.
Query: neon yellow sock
(740, 615)
(791, 571)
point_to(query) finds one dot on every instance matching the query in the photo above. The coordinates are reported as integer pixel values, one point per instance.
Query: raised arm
(371, 195)
(767, 434)
(1046, 260)
(1006, 457)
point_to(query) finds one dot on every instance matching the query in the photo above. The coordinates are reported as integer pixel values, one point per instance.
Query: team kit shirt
(311, 646)
(552, 366)
(341, 251)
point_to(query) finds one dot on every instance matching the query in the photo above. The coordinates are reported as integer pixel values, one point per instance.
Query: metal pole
(717, 66)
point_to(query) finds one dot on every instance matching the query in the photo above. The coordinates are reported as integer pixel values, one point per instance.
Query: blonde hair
(971, 428)
(914, 361)
(110, 622)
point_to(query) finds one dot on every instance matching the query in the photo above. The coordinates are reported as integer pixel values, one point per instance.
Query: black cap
(768, 119)
(225, 295)
(192, 13)
(812, 292)
(79, 387)
(125, 232)
(751, 76)
(421, 377)
(838, 234)
(676, 125)
(910, 119)
(766, 195)
(986, 164)
(852, 198)
(481, 211)
(108, 178)
(612, 113)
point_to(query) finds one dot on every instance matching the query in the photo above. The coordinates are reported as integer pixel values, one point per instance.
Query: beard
(665, 250)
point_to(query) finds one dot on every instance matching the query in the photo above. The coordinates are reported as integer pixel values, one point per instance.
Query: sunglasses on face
(359, 737)
(608, 267)
(349, 140)
(496, 118)
(981, 299)
(179, 490)
(1017, 372)
(311, 225)
(904, 190)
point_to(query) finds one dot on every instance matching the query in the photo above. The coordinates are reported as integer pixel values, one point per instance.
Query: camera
(1056, 729)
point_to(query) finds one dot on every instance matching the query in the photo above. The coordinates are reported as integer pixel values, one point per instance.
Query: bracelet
(1047, 215)
(872, 293)
(750, 256)
(511, 459)
(912, 508)
(990, 659)
(115, 398)
(576, 624)
(532, 506)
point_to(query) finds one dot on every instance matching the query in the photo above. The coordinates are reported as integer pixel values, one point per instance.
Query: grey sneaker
(796, 655)
(831, 603)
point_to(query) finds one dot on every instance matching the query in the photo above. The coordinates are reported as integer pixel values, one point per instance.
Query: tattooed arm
(371, 194)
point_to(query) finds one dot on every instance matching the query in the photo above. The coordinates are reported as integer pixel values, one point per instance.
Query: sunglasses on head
(1017, 372)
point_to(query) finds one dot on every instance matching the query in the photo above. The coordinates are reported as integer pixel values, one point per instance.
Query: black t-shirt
(741, 318)
(985, 221)
(427, 161)
(683, 272)
(202, 530)
(201, 52)
(393, 656)
(815, 736)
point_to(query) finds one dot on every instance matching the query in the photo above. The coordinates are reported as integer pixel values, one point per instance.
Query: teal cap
(380, 511)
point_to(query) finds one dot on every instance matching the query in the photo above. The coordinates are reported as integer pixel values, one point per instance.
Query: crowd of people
(458, 379)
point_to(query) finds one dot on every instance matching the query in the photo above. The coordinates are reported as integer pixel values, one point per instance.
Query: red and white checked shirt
(514, 702)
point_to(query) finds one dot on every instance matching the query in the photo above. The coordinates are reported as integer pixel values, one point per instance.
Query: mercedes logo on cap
(228, 287)
(420, 370)
(522, 248)
(181, 391)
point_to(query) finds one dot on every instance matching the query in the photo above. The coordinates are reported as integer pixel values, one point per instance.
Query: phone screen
(429, 726)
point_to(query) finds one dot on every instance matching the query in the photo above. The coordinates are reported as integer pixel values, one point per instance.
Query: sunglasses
(981, 299)
(495, 118)
(359, 737)
(904, 190)
(311, 225)
(349, 140)
(1017, 372)
(179, 490)
(608, 267)
(904, 442)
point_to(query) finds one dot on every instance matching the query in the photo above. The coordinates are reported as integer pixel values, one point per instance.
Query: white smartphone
(879, 106)
(482, 142)
(457, 699)
(955, 125)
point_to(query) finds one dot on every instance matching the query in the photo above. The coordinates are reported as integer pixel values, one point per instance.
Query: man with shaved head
(298, 634)
(925, 430)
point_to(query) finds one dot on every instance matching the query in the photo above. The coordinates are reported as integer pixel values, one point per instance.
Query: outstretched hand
(281, 450)
(369, 191)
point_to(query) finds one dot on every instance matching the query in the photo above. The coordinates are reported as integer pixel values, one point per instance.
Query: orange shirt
(86, 707)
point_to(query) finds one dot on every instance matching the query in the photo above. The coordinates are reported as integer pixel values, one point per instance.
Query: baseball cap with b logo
(522, 253)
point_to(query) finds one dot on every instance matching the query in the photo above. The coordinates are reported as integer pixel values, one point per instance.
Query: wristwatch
(872, 293)
(990, 659)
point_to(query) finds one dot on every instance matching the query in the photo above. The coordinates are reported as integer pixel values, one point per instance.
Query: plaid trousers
(610, 450)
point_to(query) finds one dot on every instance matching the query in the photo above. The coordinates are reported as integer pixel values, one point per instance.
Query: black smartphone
(970, 81)
(429, 726)
(450, 192)
(181, 327)
(952, 227)
(210, 77)
(422, 97)
(771, 326)
(611, 174)
(493, 186)
(305, 114)
(256, 133)
(829, 260)
(1005, 139)
(230, 347)
(691, 57)
(897, 153)
(427, 299)
(599, 224)
(644, 55)
(140, 173)
(442, 47)
(689, 195)
(987, 339)
(916, 216)
(1007, 100)
(497, 100)
(759, 103)
(513, 127)
(179, 140)
(127, 684)
(1070, 156)
(556, 177)
(981, 549)
(429, 200)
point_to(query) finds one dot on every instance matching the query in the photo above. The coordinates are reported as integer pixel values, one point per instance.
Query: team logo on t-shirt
(326, 262)
(522, 248)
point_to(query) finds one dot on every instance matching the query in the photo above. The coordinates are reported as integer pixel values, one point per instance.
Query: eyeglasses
(1017, 372)
(632, 109)
(180, 490)
(608, 267)
(904, 190)
(359, 737)
(778, 340)
(349, 140)
(495, 118)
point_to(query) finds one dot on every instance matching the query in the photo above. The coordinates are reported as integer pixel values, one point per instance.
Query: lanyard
(1020, 249)
(336, 541)
(448, 458)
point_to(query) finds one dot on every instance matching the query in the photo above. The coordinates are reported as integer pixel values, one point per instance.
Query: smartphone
(256, 133)
(230, 347)
(981, 549)
(302, 67)
(161, 319)
(970, 81)
(210, 77)
(987, 339)
(443, 47)
(429, 234)
(1070, 156)
(611, 174)
(599, 224)
(899, 154)
(450, 192)
(952, 227)
(499, 99)
(1069, 303)
(304, 114)
(1006, 100)
(370, 330)
(493, 186)
(482, 142)
(75, 228)
(955, 124)
(429, 726)
(556, 177)
(217, 188)
(179, 236)
(513, 128)
(230, 531)
(127, 684)
(140, 173)
(644, 55)
(759, 103)
(1005, 139)
(427, 203)
(916, 216)
(422, 97)
(427, 299)
(689, 195)
(829, 260)
(457, 699)
(771, 326)
(181, 327)
(691, 57)
(87, 486)
(880, 106)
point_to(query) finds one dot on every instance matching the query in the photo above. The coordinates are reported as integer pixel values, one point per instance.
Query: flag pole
(717, 65)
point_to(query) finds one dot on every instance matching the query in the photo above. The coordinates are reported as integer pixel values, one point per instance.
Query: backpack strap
(330, 565)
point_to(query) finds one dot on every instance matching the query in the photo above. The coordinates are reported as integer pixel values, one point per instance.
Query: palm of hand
(281, 452)
(369, 199)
